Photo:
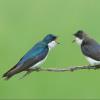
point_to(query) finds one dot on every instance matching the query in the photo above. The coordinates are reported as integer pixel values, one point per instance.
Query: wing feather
(33, 56)
(91, 50)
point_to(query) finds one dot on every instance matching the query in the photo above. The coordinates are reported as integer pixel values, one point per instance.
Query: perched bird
(89, 47)
(34, 57)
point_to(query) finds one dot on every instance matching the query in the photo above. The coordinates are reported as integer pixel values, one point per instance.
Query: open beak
(57, 41)
(73, 41)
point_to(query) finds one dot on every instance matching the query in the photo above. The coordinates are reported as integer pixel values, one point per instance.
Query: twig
(69, 68)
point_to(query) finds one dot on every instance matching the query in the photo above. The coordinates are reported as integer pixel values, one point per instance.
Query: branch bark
(71, 69)
(65, 69)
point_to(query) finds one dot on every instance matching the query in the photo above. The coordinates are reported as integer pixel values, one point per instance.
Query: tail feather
(7, 77)
(10, 73)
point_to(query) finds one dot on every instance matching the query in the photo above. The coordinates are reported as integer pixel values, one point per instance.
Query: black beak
(73, 41)
(57, 41)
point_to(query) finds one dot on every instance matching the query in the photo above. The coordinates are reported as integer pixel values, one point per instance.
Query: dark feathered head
(49, 38)
(80, 34)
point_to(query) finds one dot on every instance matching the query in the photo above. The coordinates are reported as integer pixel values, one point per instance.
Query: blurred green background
(23, 23)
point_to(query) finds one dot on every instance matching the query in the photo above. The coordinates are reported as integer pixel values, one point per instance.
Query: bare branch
(69, 68)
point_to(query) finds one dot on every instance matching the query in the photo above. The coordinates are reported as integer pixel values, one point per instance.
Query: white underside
(50, 45)
(92, 61)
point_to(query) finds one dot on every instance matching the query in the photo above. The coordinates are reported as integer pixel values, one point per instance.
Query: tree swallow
(89, 47)
(34, 57)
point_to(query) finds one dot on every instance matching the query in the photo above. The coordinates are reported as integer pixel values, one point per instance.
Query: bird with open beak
(34, 57)
(89, 47)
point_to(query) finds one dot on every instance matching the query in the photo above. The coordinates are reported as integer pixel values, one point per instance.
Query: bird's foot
(30, 71)
(27, 73)
(38, 69)
(93, 67)
(96, 67)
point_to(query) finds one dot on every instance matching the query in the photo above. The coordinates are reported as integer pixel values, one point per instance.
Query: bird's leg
(37, 69)
(95, 66)
(90, 67)
(30, 71)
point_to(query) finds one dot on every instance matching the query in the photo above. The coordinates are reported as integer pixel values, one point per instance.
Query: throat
(52, 45)
(78, 41)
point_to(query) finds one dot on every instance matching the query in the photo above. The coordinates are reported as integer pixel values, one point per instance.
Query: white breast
(78, 41)
(52, 45)
(92, 61)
